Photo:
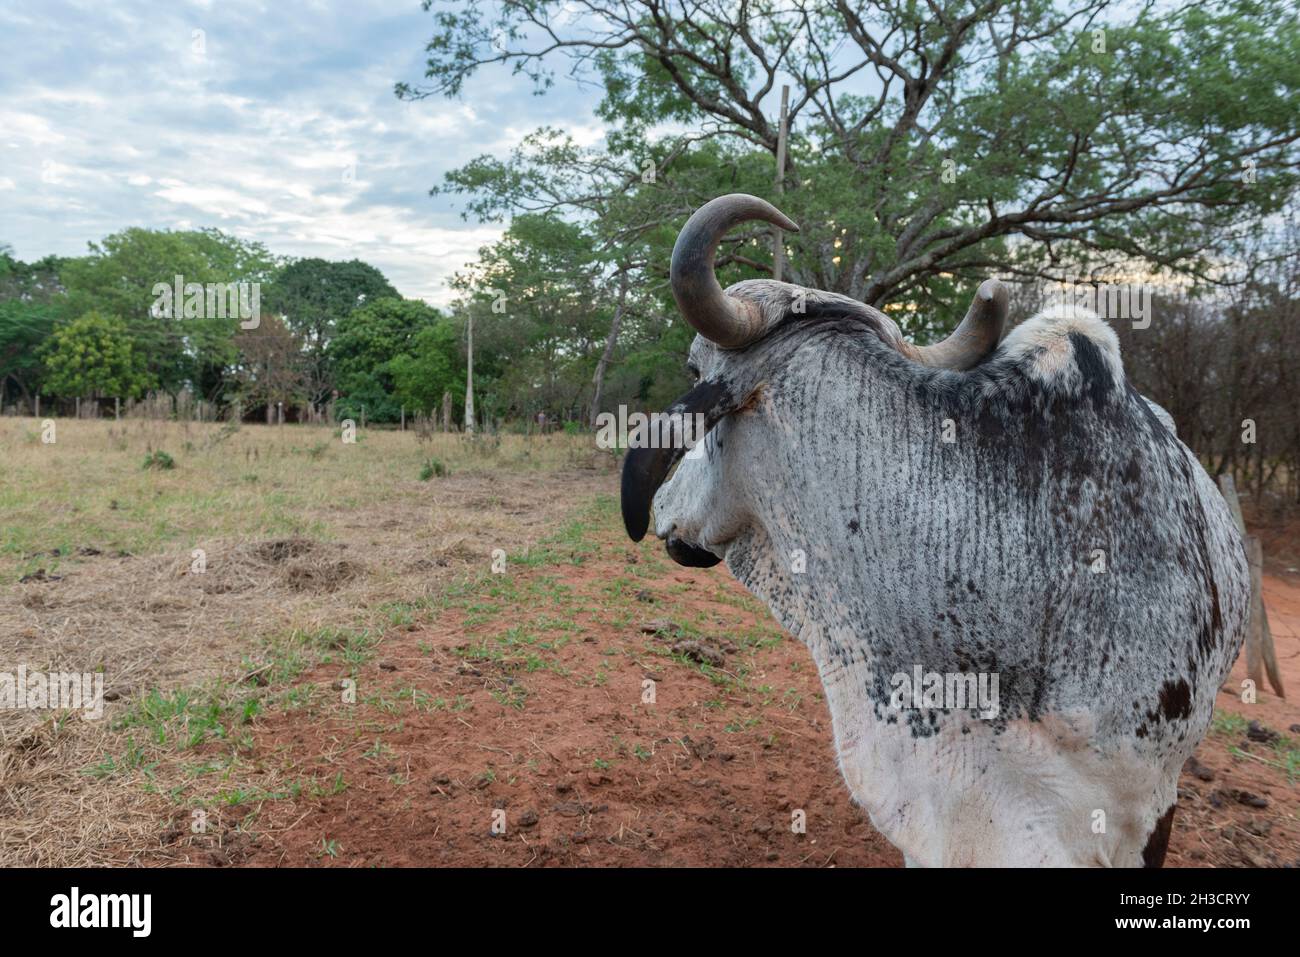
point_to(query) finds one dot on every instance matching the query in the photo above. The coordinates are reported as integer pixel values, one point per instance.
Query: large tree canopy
(366, 340)
(94, 355)
(314, 295)
(932, 143)
(31, 302)
(118, 279)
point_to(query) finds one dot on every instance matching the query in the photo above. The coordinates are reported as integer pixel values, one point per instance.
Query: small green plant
(159, 460)
(431, 468)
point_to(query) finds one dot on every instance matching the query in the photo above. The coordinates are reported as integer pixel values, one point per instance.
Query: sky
(271, 121)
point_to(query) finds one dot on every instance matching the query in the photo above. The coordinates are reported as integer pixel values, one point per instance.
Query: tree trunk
(599, 378)
(469, 380)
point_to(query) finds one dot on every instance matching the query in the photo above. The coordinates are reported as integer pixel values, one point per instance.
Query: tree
(32, 300)
(119, 277)
(535, 297)
(936, 144)
(429, 367)
(366, 339)
(314, 296)
(271, 366)
(95, 356)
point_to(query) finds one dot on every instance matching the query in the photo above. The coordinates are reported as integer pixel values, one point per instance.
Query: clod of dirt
(1251, 800)
(1198, 770)
(659, 626)
(88, 551)
(387, 666)
(700, 749)
(703, 652)
(328, 576)
(1257, 732)
(645, 596)
(284, 549)
(528, 818)
(39, 576)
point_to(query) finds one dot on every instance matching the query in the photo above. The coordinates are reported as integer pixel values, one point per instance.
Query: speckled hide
(1033, 518)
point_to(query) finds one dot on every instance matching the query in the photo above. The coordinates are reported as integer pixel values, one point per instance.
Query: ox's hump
(1067, 348)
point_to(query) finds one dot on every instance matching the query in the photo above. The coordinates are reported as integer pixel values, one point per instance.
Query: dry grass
(310, 546)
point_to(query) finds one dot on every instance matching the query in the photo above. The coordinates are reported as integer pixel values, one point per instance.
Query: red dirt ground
(588, 775)
(1216, 825)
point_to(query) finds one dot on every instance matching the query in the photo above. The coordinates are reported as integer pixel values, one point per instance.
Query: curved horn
(976, 337)
(728, 321)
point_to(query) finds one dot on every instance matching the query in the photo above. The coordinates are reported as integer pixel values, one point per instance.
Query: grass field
(257, 542)
(436, 652)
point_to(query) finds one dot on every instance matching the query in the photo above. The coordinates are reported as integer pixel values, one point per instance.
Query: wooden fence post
(1261, 657)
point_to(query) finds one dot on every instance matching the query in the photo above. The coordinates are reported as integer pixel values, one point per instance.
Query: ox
(983, 506)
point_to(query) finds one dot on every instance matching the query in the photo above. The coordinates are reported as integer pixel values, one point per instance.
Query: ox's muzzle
(645, 469)
(684, 553)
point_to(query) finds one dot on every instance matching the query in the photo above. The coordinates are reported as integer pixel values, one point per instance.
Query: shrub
(431, 468)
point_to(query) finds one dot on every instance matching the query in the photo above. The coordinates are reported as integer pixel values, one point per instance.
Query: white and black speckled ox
(975, 555)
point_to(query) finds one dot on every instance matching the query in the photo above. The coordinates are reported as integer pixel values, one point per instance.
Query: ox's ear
(644, 470)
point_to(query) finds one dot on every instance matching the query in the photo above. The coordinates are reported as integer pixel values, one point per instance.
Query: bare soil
(1219, 822)
(570, 759)
(557, 760)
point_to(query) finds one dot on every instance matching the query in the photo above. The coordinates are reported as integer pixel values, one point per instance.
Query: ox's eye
(695, 373)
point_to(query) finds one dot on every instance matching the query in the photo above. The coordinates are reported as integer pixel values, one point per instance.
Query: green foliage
(94, 355)
(159, 460)
(366, 341)
(315, 296)
(430, 365)
(432, 468)
(31, 303)
(1035, 139)
(120, 278)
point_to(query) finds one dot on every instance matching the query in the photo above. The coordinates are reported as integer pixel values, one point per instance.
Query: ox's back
(1036, 519)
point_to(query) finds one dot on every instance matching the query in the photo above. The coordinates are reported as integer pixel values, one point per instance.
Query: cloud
(272, 122)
